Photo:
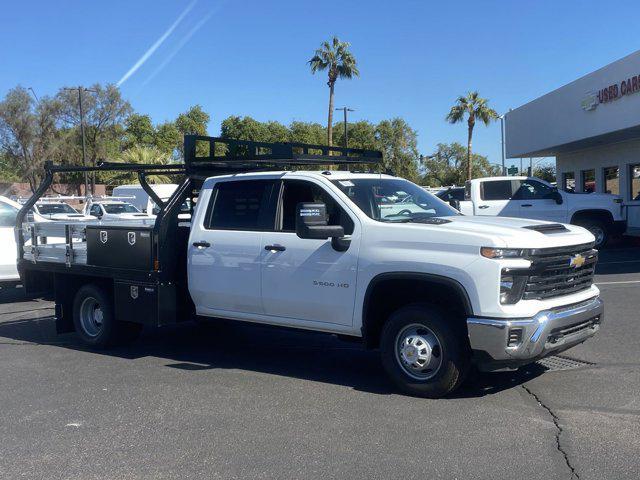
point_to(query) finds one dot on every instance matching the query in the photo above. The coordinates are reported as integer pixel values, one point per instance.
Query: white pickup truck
(433, 290)
(530, 197)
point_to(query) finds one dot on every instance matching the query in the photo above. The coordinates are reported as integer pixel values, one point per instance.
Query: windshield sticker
(346, 183)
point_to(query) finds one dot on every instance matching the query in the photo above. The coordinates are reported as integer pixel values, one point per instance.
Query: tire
(448, 353)
(94, 319)
(598, 229)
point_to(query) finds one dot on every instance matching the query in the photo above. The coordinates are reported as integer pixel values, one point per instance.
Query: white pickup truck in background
(530, 197)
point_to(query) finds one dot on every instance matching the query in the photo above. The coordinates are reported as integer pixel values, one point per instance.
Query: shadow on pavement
(233, 345)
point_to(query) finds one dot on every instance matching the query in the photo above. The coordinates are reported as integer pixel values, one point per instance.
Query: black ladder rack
(224, 154)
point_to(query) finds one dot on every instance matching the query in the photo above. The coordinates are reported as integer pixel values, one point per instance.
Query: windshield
(53, 208)
(7, 215)
(393, 199)
(117, 208)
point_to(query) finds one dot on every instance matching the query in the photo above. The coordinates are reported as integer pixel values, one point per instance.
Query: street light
(502, 149)
(81, 89)
(345, 110)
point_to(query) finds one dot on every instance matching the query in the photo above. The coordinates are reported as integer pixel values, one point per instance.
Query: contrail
(181, 44)
(157, 44)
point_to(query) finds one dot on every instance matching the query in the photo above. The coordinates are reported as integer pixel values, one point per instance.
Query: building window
(634, 181)
(589, 181)
(611, 176)
(569, 182)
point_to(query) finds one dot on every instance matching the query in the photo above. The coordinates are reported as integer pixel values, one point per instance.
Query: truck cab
(530, 197)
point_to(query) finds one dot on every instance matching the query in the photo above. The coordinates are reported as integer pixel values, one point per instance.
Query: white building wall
(562, 116)
(621, 154)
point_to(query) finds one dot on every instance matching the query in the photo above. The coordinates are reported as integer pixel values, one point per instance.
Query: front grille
(552, 273)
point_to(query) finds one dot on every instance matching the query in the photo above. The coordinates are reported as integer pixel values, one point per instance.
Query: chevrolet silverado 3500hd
(433, 290)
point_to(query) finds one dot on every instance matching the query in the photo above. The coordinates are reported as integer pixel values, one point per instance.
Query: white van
(140, 199)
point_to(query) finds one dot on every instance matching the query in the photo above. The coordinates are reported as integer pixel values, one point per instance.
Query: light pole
(346, 138)
(502, 149)
(80, 89)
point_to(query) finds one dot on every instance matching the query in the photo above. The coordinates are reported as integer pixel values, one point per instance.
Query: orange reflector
(156, 265)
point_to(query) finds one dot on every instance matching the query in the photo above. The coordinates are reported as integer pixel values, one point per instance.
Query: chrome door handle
(483, 206)
(201, 244)
(275, 248)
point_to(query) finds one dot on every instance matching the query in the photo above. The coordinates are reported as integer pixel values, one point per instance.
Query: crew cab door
(536, 201)
(495, 198)
(226, 245)
(306, 279)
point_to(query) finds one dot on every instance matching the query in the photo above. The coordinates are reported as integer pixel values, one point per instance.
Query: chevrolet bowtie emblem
(576, 261)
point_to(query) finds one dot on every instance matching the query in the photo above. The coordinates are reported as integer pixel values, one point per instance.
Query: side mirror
(557, 196)
(311, 222)
(455, 203)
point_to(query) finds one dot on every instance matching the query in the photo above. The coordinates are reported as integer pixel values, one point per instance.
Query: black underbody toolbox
(149, 304)
(120, 246)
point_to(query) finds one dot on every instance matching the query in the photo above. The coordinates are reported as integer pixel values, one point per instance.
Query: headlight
(511, 287)
(490, 252)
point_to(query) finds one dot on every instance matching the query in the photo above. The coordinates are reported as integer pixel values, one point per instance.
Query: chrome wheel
(91, 317)
(418, 351)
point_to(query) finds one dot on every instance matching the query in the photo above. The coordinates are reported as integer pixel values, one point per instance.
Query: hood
(510, 232)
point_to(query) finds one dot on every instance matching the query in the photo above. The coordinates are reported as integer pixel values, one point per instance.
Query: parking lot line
(621, 261)
(613, 283)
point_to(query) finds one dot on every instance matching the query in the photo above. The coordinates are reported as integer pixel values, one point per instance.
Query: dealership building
(592, 127)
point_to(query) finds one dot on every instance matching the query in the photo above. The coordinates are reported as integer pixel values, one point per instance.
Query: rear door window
(243, 205)
(496, 190)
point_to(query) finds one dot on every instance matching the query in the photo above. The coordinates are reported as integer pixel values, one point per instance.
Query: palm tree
(475, 107)
(147, 156)
(339, 62)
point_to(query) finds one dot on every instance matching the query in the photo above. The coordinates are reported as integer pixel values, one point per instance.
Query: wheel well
(389, 292)
(603, 216)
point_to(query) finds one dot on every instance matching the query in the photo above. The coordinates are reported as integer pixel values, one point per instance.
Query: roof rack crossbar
(114, 167)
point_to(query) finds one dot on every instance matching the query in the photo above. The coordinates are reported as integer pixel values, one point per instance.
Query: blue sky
(248, 57)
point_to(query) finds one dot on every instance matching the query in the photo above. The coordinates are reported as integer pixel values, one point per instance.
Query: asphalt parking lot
(243, 401)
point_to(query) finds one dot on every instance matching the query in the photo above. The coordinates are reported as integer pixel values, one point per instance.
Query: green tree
(193, 122)
(472, 107)
(139, 130)
(29, 134)
(307, 132)
(105, 112)
(168, 138)
(339, 62)
(446, 165)
(545, 172)
(149, 156)
(361, 134)
(399, 145)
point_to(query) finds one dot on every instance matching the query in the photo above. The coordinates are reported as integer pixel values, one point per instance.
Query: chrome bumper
(506, 343)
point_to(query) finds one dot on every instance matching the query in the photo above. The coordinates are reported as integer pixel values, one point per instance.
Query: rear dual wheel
(94, 319)
(424, 354)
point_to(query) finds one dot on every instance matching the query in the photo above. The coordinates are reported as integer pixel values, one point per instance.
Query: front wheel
(422, 353)
(598, 229)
